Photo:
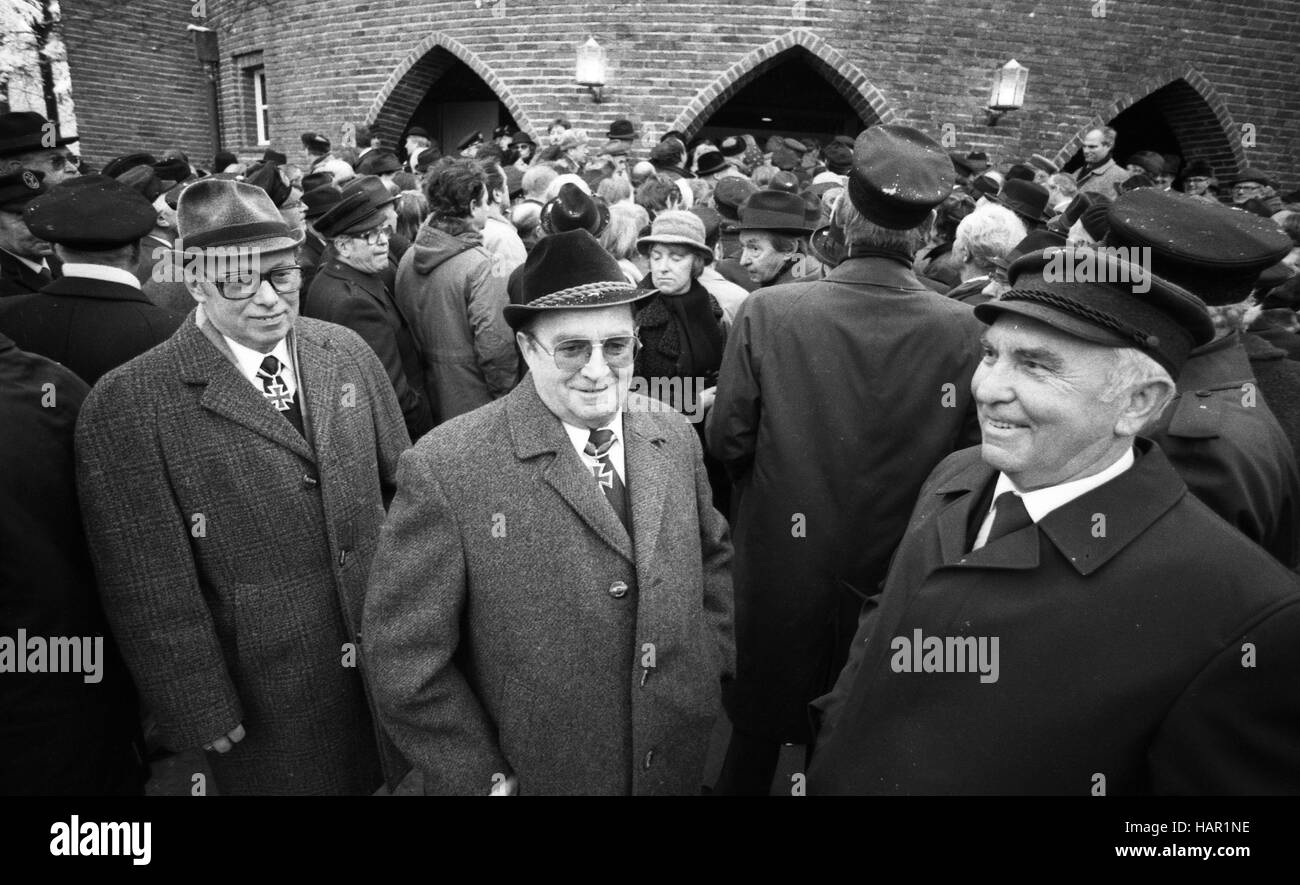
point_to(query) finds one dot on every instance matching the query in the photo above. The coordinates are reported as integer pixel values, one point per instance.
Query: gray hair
(986, 235)
(858, 231)
(1133, 368)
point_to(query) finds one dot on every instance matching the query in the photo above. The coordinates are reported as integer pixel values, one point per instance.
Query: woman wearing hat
(774, 232)
(681, 326)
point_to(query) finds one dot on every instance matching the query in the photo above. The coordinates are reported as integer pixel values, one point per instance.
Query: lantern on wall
(591, 67)
(1008, 93)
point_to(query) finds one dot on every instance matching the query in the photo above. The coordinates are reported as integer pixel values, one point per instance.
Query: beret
(899, 174)
(94, 212)
(1213, 251)
(1099, 296)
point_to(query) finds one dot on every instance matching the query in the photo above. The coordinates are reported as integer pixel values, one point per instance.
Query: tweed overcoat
(835, 401)
(514, 626)
(1144, 646)
(89, 325)
(233, 556)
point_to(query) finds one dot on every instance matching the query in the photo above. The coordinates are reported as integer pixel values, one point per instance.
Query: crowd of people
(513, 468)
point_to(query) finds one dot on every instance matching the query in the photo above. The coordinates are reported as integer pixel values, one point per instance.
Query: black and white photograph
(896, 400)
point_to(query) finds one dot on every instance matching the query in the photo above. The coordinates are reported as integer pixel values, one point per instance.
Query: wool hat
(1149, 162)
(20, 187)
(1133, 308)
(899, 174)
(379, 161)
(1251, 174)
(519, 138)
(775, 211)
(678, 227)
(621, 130)
(730, 192)
(215, 212)
(319, 199)
(418, 132)
(570, 270)
(574, 209)
(1213, 251)
(1020, 172)
(94, 213)
(839, 157)
(22, 132)
(360, 208)
(710, 162)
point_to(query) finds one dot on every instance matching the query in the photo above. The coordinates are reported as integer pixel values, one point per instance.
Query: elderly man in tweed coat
(550, 607)
(233, 482)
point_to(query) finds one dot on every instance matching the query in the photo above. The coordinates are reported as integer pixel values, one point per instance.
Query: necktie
(1011, 516)
(276, 391)
(598, 446)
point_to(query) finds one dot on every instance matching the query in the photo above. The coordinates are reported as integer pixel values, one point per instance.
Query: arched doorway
(791, 97)
(446, 89)
(1173, 119)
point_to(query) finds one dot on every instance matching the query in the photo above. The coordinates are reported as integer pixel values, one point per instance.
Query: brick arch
(1221, 146)
(411, 80)
(832, 64)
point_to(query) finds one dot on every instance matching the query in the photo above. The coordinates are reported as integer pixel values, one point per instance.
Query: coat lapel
(1018, 550)
(318, 384)
(647, 468)
(535, 431)
(228, 393)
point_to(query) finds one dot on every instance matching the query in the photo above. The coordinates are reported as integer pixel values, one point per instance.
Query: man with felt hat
(550, 609)
(24, 257)
(1093, 627)
(349, 290)
(95, 317)
(773, 233)
(320, 159)
(835, 399)
(233, 482)
(29, 141)
(1220, 433)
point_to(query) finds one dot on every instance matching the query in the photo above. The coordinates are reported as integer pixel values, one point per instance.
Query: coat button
(1202, 393)
(649, 757)
(343, 557)
(309, 481)
(618, 589)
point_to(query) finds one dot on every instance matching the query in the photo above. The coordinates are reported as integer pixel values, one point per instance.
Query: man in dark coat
(550, 608)
(835, 400)
(1062, 617)
(774, 231)
(233, 482)
(349, 290)
(1219, 433)
(24, 267)
(61, 733)
(95, 317)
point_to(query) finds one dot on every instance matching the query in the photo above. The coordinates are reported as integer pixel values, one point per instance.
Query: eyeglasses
(376, 236)
(571, 356)
(284, 280)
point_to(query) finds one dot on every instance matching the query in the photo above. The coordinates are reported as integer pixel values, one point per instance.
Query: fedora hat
(678, 227)
(730, 193)
(1026, 199)
(621, 130)
(899, 174)
(775, 211)
(522, 138)
(570, 271)
(319, 199)
(213, 213)
(379, 161)
(360, 208)
(710, 162)
(574, 209)
(24, 131)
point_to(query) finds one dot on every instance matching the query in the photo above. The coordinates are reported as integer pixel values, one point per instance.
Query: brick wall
(135, 79)
(922, 62)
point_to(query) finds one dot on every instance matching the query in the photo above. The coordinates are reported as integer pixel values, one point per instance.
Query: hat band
(1105, 320)
(235, 234)
(766, 220)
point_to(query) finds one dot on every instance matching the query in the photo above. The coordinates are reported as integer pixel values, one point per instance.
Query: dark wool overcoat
(835, 401)
(514, 626)
(1144, 646)
(233, 554)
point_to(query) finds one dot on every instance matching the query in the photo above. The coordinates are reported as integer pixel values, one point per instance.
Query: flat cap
(899, 174)
(95, 213)
(1213, 251)
(1097, 295)
(20, 187)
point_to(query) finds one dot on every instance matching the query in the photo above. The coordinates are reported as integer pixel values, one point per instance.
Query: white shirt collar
(101, 272)
(579, 436)
(1041, 502)
(250, 361)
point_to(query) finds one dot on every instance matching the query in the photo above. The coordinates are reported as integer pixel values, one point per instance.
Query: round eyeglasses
(284, 280)
(570, 356)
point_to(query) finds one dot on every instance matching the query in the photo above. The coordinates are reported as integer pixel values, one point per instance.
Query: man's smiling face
(592, 395)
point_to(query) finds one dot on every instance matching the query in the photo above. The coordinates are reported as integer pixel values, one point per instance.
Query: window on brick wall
(261, 111)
